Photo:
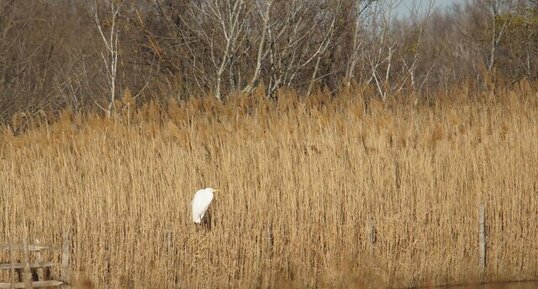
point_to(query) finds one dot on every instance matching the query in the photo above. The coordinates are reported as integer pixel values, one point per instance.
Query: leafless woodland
(81, 55)
(353, 148)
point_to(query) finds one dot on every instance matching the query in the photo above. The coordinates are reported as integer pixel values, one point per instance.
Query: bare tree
(419, 17)
(298, 36)
(221, 25)
(382, 49)
(264, 11)
(109, 31)
(7, 23)
(497, 30)
(323, 46)
(360, 6)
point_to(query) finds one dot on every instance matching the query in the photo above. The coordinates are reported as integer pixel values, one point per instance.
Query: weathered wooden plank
(27, 276)
(36, 284)
(32, 248)
(65, 274)
(482, 238)
(372, 234)
(12, 259)
(36, 274)
(8, 266)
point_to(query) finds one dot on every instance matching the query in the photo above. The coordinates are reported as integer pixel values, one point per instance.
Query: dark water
(505, 285)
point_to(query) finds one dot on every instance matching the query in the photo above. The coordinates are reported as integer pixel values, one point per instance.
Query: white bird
(200, 203)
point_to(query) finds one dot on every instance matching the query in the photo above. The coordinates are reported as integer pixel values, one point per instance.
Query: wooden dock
(25, 274)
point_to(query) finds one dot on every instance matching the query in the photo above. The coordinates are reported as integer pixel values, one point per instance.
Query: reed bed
(317, 192)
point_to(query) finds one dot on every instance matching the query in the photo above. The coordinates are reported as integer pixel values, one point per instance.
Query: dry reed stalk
(311, 175)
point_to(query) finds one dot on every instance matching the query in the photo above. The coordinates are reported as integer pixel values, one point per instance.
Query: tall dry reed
(321, 193)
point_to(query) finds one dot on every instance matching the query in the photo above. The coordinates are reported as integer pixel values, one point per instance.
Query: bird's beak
(216, 191)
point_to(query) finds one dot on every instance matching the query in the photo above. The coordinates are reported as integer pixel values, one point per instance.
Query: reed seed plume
(331, 191)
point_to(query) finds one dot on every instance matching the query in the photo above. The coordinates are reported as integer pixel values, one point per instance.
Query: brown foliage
(51, 52)
(299, 181)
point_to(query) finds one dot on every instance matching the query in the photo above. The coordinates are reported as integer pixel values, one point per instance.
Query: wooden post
(26, 259)
(169, 242)
(12, 257)
(46, 274)
(482, 239)
(39, 260)
(371, 233)
(65, 274)
(270, 241)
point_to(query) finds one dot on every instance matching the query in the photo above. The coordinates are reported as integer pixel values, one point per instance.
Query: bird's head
(212, 191)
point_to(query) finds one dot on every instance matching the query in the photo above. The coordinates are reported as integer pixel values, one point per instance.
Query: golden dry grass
(300, 181)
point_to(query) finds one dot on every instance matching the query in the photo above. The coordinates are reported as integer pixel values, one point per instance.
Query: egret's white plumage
(200, 203)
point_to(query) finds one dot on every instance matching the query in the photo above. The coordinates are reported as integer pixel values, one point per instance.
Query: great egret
(200, 203)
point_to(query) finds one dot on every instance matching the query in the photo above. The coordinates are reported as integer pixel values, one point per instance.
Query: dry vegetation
(80, 55)
(350, 124)
(300, 180)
